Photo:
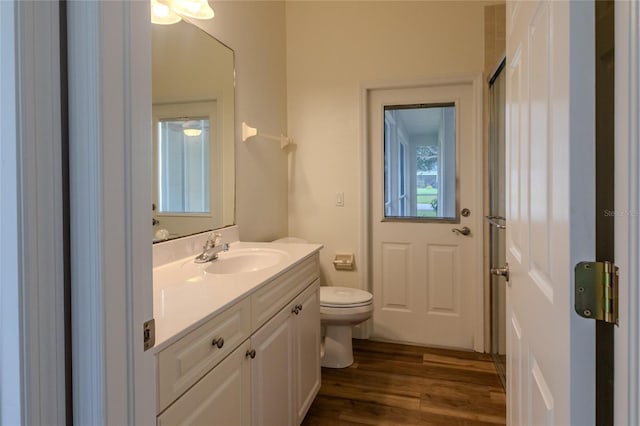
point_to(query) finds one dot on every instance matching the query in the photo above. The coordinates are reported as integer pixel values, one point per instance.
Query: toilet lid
(344, 297)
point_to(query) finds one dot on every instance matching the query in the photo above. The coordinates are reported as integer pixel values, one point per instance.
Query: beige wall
(333, 48)
(255, 30)
(495, 37)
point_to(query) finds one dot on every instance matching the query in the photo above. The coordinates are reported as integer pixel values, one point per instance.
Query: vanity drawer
(183, 363)
(267, 301)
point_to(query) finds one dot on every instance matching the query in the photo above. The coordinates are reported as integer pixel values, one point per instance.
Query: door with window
(425, 208)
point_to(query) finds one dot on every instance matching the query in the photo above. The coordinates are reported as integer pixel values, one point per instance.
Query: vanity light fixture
(248, 132)
(168, 12)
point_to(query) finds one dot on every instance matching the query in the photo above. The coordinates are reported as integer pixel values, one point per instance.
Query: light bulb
(162, 14)
(198, 9)
(192, 132)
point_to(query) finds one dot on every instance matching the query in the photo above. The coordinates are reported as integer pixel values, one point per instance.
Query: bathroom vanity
(237, 339)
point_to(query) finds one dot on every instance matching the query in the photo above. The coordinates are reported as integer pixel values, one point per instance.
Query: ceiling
(419, 121)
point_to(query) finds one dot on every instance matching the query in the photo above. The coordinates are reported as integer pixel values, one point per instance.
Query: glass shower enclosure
(496, 218)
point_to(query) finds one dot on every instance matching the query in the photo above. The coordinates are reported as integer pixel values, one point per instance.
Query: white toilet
(340, 309)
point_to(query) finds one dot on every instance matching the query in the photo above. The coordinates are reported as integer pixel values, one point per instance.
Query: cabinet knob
(251, 354)
(295, 310)
(219, 342)
(299, 307)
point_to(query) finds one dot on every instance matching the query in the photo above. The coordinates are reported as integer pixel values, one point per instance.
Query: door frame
(114, 380)
(627, 205)
(366, 274)
(32, 289)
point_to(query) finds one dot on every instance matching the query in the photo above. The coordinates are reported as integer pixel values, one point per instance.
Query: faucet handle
(213, 240)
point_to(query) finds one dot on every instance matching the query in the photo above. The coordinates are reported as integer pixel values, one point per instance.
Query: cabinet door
(272, 396)
(222, 397)
(307, 349)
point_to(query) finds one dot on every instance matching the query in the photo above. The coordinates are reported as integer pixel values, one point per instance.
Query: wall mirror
(193, 132)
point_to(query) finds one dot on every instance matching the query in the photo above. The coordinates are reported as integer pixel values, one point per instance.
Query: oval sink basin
(245, 260)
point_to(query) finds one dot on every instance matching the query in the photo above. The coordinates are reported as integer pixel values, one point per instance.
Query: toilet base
(338, 348)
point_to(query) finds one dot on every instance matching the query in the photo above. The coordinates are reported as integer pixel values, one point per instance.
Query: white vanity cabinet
(257, 362)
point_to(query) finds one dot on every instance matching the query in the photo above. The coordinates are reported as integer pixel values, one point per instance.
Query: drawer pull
(251, 354)
(219, 342)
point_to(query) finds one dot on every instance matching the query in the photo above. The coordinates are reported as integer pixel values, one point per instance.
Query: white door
(550, 194)
(425, 169)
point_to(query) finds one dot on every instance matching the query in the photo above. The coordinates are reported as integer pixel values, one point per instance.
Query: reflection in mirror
(183, 176)
(193, 131)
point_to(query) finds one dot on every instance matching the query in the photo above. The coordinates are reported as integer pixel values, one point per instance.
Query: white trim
(365, 228)
(627, 206)
(32, 264)
(110, 170)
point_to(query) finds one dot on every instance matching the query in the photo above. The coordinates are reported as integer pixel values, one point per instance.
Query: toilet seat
(344, 297)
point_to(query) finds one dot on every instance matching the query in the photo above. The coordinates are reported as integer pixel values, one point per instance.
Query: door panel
(550, 212)
(443, 265)
(396, 275)
(425, 276)
(541, 397)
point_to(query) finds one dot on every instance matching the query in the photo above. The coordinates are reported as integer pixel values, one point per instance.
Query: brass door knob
(464, 231)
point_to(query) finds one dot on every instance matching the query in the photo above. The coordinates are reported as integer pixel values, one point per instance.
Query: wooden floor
(391, 384)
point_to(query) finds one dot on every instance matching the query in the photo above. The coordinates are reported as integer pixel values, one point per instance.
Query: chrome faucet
(212, 248)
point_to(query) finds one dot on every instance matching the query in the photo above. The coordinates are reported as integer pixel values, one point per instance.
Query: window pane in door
(183, 166)
(420, 181)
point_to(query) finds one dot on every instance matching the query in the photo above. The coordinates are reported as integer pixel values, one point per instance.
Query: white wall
(255, 30)
(333, 48)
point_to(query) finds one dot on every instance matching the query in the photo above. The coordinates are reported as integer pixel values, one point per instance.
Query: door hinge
(596, 291)
(149, 333)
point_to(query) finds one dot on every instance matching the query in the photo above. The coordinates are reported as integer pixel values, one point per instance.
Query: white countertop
(186, 296)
